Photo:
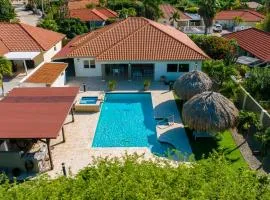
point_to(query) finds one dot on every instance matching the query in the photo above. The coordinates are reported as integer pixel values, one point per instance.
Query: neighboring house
(253, 5)
(73, 5)
(28, 46)
(167, 13)
(134, 48)
(227, 19)
(188, 23)
(94, 17)
(254, 46)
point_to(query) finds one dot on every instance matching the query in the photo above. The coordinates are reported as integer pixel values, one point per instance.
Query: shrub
(72, 27)
(111, 85)
(258, 83)
(146, 84)
(217, 47)
(213, 178)
(247, 120)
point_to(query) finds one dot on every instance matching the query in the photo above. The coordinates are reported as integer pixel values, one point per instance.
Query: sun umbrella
(210, 111)
(192, 83)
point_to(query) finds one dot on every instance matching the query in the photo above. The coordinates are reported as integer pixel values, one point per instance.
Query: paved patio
(77, 152)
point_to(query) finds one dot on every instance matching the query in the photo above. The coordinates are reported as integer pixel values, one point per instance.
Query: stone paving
(77, 152)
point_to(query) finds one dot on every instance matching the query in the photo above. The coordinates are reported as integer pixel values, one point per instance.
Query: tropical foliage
(208, 10)
(7, 12)
(247, 120)
(5, 70)
(258, 83)
(213, 178)
(217, 47)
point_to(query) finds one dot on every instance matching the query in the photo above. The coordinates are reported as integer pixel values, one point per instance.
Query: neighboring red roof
(81, 4)
(21, 37)
(134, 38)
(96, 14)
(168, 10)
(47, 73)
(256, 42)
(35, 112)
(246, 15)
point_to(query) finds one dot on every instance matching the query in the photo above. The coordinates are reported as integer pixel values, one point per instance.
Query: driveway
(26, 17)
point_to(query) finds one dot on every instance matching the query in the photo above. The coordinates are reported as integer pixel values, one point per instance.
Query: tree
(102, 3)
(218, 71)
(5, 70)
(151, 9)
(175, 17)
(72, 27)
(265, 24)
(207, 10)
(49, 24)
(238, 20)
(7, 12)
(127, 12)
(264, 137)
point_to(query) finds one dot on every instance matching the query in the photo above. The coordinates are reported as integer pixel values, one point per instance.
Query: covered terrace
(34, 114)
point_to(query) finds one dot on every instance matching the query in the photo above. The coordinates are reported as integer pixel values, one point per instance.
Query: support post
(49, 152)
(72, 114)
(63, 134)
(25, 67)
(129, 72)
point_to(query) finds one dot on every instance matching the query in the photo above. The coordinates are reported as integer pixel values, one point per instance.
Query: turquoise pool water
(88, 100)
(127, 120)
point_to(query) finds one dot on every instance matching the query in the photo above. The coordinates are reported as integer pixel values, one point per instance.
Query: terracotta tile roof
(72, 5)
(134, 38)
(47, 73)
(96, 14)
(3, 48)
(35, 112)
(246, 15)
(168, 10)
(22, 37)
(254, 41)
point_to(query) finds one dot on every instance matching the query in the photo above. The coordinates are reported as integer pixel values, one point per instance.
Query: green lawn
(223, 144)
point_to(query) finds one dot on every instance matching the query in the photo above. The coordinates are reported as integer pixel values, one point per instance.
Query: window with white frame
(92, 64)
(86, 64)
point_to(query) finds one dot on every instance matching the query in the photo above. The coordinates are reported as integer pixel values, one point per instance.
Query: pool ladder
(169, 119)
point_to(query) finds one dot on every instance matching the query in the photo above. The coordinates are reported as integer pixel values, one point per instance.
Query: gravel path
(253, 162)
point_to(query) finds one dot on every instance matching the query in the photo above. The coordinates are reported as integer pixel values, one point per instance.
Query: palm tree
(175, 17)
(238, 20)
(207, 10)
(151, 9)
(5, 70)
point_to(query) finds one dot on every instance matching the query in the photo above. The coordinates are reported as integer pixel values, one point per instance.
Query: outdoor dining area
(30, 118)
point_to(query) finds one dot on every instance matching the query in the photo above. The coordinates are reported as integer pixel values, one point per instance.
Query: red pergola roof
(35, 113)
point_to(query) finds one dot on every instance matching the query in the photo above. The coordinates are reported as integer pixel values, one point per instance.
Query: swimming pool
(127, 120)
(88, 100)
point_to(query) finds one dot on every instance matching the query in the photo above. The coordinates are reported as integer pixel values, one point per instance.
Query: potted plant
(112, 85)
(146, 84)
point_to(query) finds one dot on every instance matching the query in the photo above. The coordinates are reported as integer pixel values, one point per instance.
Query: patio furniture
(137, 75)
(116, 72)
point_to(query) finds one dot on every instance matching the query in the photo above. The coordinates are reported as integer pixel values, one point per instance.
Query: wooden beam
(49, 153)
(63, 134)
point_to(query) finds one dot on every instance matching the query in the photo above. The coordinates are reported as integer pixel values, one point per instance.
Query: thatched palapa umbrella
(210, 111)
(192, 83)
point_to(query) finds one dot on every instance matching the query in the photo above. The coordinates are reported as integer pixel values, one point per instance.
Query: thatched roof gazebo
(210, 112)
(192, 83)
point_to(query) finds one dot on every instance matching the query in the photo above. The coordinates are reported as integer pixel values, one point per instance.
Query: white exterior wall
(52, 52)
(60, 81)
(231, 23)
(160, 68)
(25, 84)
(80, 71)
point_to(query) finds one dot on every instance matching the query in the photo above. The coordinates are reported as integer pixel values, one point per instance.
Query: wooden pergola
(36, 113)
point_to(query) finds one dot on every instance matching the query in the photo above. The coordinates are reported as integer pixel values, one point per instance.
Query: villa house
(134, 48)
(167, 13)
(93, 17)
(80, 4)
(227, 19)
(254, 46)
(28, 46)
